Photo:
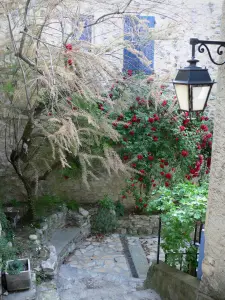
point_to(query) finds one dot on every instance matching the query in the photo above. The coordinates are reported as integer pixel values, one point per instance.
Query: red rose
(129, 72)
(125, 139)
(120, 117)
(161, 166)
(127, 125)
(184, 153)
(175, 97)
(177, 139)
(155, 138)
(151, 120)
(49, 114)
(204, 127)
(207, 172)
(136, 207)
(186, 113)
(70, 62)
(138, 98)
(125, 157)
(162, 173)
(173, 169)
(209, 135)
(115, 124)
(132, 132)
(168, 176)
(145, 205)
(153, 129)
(140, 200)
(132, 184)
(186, 121)
(154, 185)
(69, 47)
(134, 118)
(167, 184)
(166, 163)
(140, 156)
(208, 162)
(164, 103)
(140, 179)
(201, 157)
(150, 157)
(134, 165)
(142, 171)
(182, 128)
(110, 95)
(156, 118)
(162, 87)
(188, 177)
(124, 197)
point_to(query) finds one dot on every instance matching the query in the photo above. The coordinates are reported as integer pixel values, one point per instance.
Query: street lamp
(193, 84)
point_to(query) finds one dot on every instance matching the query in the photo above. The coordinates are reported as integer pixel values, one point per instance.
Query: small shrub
(15, 267)
(120, 209)
(6, 252)
(72, 205)
(105, 221)
(107, 203)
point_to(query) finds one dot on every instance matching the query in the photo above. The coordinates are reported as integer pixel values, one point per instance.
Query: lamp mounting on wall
(193, 84)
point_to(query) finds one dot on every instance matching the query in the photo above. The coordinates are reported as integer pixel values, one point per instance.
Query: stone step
(70, 273)
(138, 256)
(47, 291)
(63, 237)
(107, 294)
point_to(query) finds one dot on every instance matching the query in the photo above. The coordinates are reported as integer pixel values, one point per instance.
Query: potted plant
(18, 275)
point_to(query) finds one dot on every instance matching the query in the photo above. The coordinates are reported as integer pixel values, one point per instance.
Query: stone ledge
(172, 284)
(63, 241)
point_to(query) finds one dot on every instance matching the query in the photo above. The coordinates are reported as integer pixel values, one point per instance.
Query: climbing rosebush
(161, 144)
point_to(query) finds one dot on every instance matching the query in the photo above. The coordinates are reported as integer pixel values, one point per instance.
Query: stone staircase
(76, 284)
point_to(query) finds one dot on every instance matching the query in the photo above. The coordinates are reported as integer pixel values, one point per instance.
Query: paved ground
(104, 256)
(150, 244)
(99, 271)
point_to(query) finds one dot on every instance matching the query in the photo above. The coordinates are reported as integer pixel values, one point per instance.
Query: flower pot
(21, 281)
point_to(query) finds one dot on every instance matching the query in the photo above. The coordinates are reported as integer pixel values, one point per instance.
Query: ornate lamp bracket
(203, 45)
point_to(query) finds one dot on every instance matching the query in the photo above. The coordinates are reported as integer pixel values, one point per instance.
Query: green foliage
(181, 208)
(72, 205)
(6, 252)
(15, 267)
(105, 221)
(46, 205)
(120, 209)
(107, 203)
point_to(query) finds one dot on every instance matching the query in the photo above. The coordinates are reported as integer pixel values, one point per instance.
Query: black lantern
(193, 86)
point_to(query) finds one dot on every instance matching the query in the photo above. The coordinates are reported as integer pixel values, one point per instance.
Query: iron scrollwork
(203, 45)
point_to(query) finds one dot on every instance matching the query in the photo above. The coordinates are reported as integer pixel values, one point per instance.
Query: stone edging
(79, 220)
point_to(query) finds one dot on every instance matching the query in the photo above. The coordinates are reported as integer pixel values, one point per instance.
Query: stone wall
(134, 224)
(139, 224)
(213, 281)
(172, 284)
(176, 22)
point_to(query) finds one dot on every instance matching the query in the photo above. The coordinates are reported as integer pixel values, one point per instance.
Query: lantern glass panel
(199, 97)
(182, 96)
